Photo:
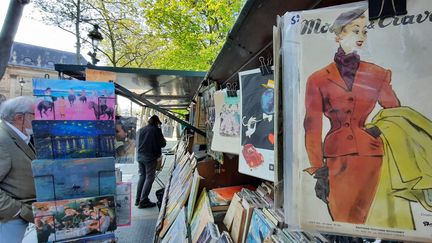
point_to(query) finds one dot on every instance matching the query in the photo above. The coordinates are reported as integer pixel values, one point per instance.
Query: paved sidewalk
(143, 220)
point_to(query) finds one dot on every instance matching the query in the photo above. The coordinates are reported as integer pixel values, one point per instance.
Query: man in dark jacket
(150, 144)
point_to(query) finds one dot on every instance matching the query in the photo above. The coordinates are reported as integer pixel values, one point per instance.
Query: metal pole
(144, 102)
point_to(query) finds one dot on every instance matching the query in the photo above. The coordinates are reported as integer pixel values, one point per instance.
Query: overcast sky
(35, 32)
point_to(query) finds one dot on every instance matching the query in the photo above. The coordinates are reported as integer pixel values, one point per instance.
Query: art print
(73, 178)
(73, 100)
(226, 130)
(365, 132)
(230, 117)
(257, 130)
(125, 139)
(124, 204)
(210, 114)
(73, 139)
(68, 219)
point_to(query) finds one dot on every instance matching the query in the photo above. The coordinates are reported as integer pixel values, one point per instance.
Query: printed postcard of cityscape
(73, 139)
(73, 100)
(68, 219)
(73, 178)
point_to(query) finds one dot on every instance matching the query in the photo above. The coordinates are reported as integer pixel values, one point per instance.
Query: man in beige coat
(17, 190)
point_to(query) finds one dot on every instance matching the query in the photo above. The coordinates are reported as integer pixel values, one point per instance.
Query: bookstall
(264, 172)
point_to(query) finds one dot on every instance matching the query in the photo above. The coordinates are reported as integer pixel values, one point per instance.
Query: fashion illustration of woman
(347, 164)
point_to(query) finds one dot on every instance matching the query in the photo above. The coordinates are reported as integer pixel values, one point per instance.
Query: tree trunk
(77, 32)
(9, 29)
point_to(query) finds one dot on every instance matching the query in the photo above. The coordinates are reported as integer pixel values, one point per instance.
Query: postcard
(125, 139)
(124, 204)
(69, 219)
(73, 100)
(73, 139)
(73, 178)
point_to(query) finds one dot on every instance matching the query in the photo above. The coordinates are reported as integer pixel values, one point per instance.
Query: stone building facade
(27, 62)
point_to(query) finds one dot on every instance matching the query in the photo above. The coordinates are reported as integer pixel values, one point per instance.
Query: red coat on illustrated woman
(327, 94)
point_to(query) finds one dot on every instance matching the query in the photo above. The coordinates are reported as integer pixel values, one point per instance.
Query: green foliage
(161, 34)
(193, 31)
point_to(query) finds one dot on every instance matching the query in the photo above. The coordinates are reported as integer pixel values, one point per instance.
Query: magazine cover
(73, 139)
(124, 203)
(364, 130)
(257, 129)
(67, 219)
(73, 100)
(125, 139)
(73, 178)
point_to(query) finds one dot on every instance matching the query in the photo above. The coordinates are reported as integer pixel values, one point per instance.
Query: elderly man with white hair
(17, 190)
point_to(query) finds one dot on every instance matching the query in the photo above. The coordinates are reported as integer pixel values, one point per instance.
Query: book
(222, 196)
(259, 228)
(229, 216)
(178, 230)
(210, 234)
(201, 216)
(269, 215)
(238, 224)
(193, 195)
(224, 238)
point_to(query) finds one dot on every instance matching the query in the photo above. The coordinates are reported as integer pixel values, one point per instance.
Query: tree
(68, 16)
(8, 32)
(194, 30)
(124, 34)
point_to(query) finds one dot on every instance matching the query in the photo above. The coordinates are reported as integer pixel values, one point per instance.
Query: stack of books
(220, 198)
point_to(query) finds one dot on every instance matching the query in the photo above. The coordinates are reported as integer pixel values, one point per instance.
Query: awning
(169, 89)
